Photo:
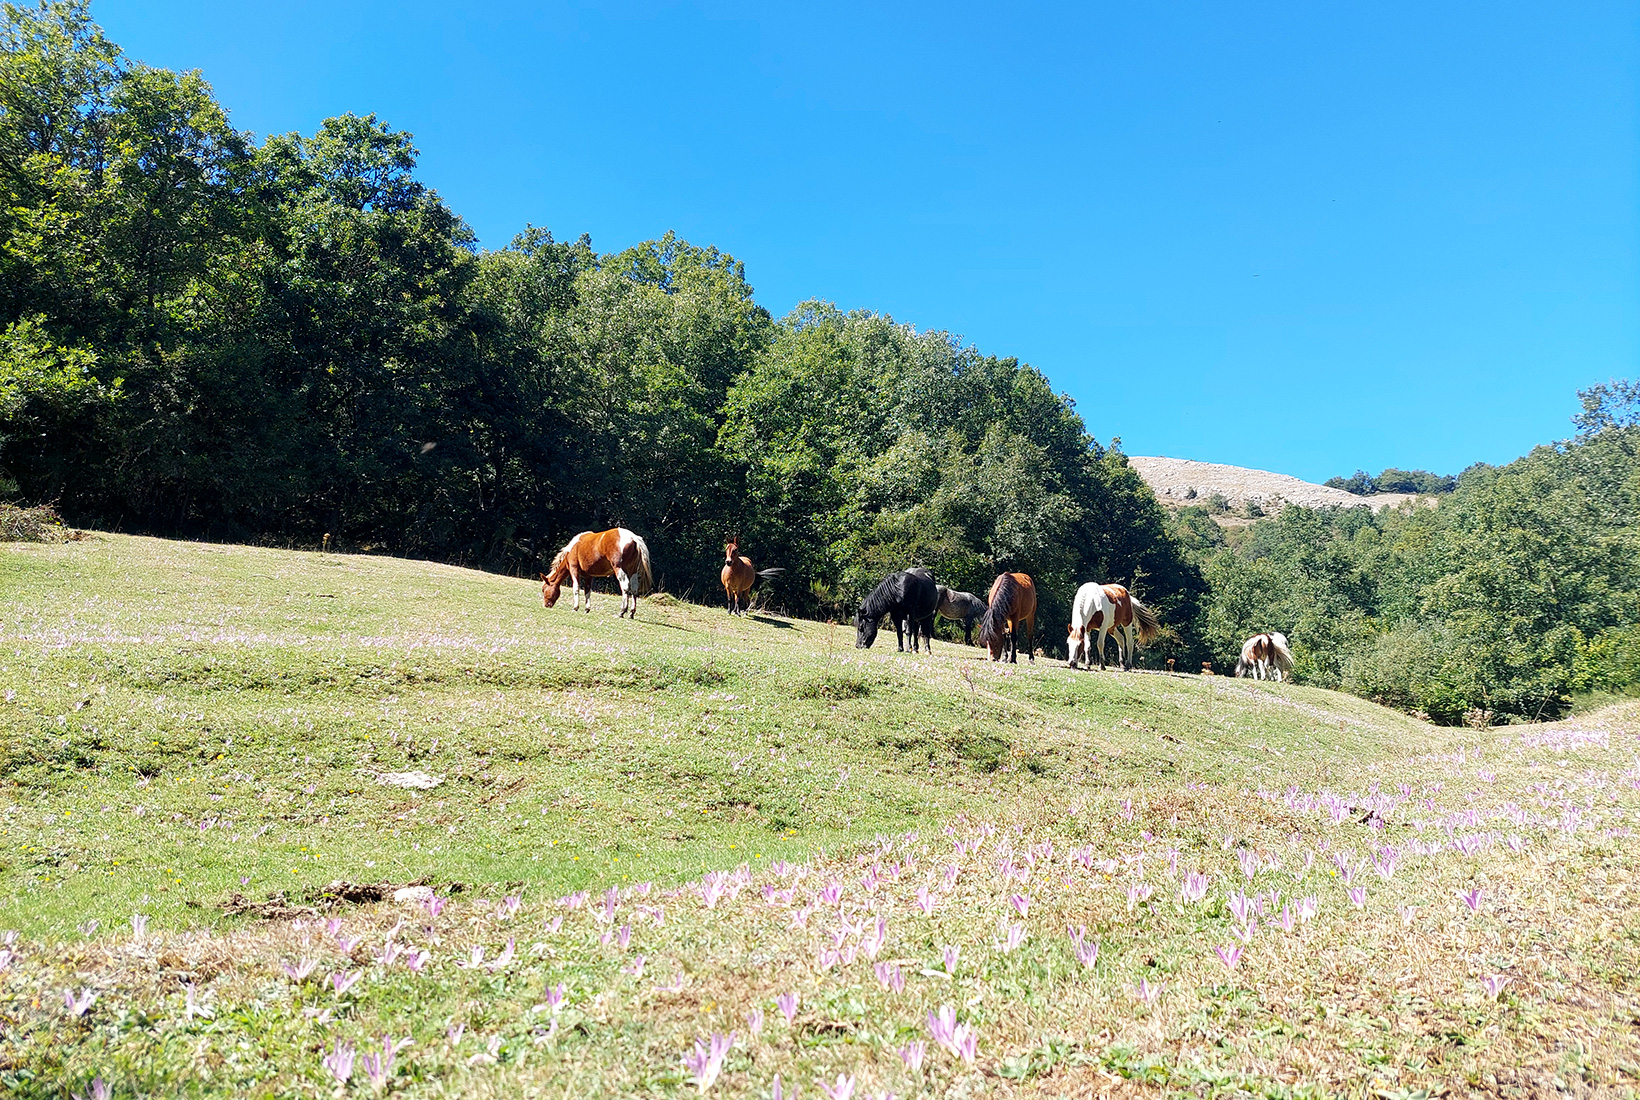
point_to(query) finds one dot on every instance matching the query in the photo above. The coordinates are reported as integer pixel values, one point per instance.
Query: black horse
(961, 607)
(911, 597)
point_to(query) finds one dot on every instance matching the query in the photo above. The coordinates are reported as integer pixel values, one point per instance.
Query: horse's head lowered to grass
(552, 583)
(865, 627)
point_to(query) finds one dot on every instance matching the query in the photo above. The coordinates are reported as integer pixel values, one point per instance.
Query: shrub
(834, 684)
(38, 524)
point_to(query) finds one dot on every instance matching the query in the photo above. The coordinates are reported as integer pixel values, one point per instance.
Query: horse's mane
(876, 605)
(995, 622)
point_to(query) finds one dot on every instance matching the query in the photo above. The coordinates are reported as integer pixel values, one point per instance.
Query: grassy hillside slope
(184, 723)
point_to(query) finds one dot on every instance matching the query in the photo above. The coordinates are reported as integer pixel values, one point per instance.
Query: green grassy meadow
(182, 723)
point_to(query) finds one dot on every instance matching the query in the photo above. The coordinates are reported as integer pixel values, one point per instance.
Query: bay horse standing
(961, 607)
(1265, 657)
(739, 575)
(1100, 609)
(617, 552)
(1012, 606)
(911, 597)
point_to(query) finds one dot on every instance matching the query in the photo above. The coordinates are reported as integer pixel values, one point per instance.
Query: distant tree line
(1394, 481)
(202, 334)
(1520, 591)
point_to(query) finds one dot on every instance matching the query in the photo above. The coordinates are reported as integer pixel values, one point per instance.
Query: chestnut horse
(739, 575)
(1101, 608)
(1265, 657)
(1013, 605)
(616, 552)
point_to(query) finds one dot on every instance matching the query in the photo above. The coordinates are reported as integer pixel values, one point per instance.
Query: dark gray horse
(911, 597)
(961, 607)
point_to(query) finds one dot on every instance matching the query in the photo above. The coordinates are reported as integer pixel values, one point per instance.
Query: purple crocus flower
(1358, 896)
(707, 1060)
(1471, 898)
(339, 1062)
(454, 1033)
(967, 1043)
(1494, 984)
(787, 1004)
(943, 1027)
(949, 957)
(300, 971)
(912, 1054)
(1229, 956)
(1147, 992)
(1021, 904)
(379, 1067)
(1192, 889)
(555, 996)
(99, 1090)
(842, 1090)
(344, 980)
(1014, 937)
(1249, 862)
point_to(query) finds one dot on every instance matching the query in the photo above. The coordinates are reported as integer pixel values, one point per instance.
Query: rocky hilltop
(1181, 481)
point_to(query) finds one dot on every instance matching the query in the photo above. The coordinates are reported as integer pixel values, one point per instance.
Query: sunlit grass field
(640, 835)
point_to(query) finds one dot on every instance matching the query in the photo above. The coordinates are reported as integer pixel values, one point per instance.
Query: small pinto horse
(911, 597)
(1265, 657)
(1012, 606)
(617, 552)
(1100, 609)
(739, 576)
(961, 607)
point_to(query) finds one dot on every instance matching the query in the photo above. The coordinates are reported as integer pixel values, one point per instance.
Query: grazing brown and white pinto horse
(1265, 657)
(616, 552)
(1101, 608)
(739, 575)
(1012, 606)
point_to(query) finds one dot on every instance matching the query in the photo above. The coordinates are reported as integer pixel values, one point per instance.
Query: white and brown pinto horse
(739, 574)
(614, 553)
(1100, 609)
(1265, 657)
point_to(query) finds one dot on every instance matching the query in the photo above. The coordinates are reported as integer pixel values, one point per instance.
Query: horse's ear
(543, 576)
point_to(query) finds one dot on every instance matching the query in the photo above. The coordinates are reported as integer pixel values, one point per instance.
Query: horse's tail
(1149, 624)
(773, 572)
(1241, 666)
(1280, 653)
(995, 622)
(646, 578)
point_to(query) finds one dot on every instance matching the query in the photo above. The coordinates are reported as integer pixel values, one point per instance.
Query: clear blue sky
(1303, 237)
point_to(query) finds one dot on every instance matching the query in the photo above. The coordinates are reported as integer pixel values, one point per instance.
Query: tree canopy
(205, 333)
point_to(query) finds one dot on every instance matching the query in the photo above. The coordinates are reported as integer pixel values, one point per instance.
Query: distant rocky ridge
(1180, 481)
